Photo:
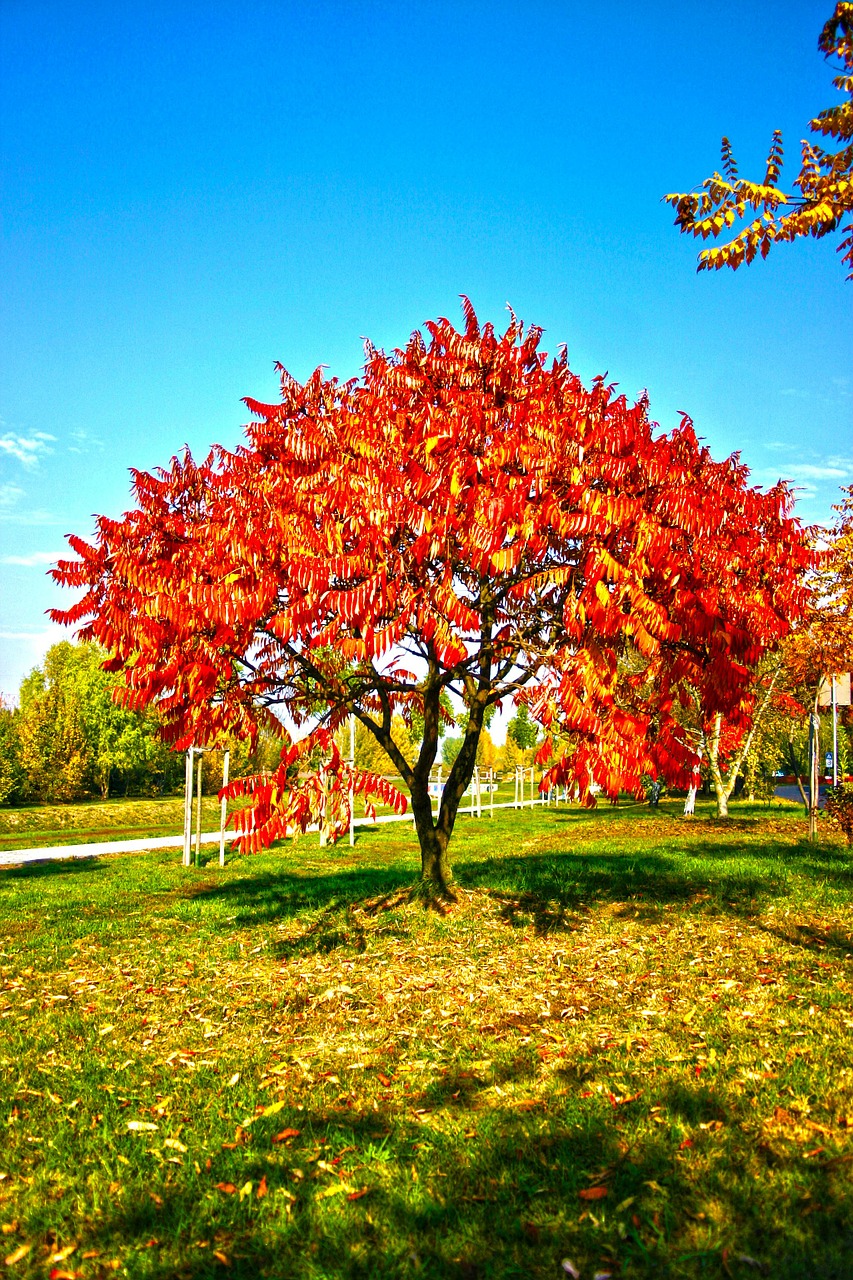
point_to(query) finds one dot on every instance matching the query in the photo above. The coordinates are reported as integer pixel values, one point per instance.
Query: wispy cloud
(84, 442)
(27, 449)
(13, 512)
(35, 558)
(10, 495)
(831, 470)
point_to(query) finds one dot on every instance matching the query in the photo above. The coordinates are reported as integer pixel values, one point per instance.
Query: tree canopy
(822, 194)
(469, 517)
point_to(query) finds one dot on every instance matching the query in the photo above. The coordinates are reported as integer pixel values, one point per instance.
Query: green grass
(627, 1045)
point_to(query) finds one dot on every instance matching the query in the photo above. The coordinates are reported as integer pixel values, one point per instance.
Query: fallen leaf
(234, 1080)
(263, 1189)
(273, 1109)
(62, 1254)
(222, 1257)
(385, 1081)
(174, 1144)
(356, 1195)
(593, 1193)
(245, 1190)
(21, 1252)
(570, 1269)
(227, 1187)
(145, 1126)
(286, 1135)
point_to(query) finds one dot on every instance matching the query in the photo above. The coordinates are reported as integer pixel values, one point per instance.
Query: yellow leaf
(141, 1125)
(174, 1144)
(21, 1252)
(337, 1189)
(62, 1254)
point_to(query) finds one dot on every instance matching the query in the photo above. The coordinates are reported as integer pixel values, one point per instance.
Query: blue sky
(193, 191)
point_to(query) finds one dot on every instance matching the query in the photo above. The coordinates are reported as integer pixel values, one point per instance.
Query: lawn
(626, 1050)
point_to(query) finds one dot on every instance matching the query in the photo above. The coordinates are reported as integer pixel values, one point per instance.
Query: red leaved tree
(466, 516)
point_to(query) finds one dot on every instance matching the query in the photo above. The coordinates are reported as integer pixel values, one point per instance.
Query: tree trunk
(795, 769)
(722, 788)
(436, 880)
(434, 834)
(436, 875)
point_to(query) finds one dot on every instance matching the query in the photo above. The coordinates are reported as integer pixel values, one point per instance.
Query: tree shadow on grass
(49, 869)
(502, 1192)
(546, 891)
(274, 896)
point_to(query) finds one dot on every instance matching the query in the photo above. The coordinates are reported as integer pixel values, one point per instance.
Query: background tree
(821, 646)
(54, 752)
(824, 185)
(466, 518)
(521, 729)
(74, 739)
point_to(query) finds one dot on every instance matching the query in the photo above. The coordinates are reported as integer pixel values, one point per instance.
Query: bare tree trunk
(723, 786)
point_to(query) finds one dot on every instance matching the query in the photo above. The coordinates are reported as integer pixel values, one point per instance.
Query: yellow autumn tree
(820, 198)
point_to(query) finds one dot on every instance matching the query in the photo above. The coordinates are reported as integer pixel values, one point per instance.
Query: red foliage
(472, 505)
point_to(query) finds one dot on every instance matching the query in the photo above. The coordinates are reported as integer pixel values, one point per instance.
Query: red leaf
(286, 1135)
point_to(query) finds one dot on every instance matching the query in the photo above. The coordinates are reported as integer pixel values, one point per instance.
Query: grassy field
(625, 1051)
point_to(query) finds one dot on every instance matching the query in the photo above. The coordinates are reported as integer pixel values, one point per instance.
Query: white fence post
(351, 792)
(188, 805)
(198, 814)
(223, 814)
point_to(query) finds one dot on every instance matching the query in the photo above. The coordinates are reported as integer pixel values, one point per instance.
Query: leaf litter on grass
(573, 1076)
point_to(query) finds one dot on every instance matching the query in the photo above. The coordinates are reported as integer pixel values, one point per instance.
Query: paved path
(14, 857)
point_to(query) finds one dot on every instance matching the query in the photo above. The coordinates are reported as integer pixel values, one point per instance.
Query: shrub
(839, 808)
